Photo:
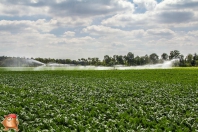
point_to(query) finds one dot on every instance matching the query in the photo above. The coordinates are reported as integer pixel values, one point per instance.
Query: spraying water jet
(39, 66)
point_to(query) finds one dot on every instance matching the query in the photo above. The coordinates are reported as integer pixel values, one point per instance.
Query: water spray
(55, 66)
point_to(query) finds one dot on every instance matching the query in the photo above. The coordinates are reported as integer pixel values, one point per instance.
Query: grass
(109, 100)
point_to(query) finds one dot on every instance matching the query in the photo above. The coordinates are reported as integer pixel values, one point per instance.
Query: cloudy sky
(93, 28)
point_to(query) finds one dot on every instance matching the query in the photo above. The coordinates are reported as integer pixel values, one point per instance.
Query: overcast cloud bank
(93, 28)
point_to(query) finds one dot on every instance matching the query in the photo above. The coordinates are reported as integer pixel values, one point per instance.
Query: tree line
(128, 60)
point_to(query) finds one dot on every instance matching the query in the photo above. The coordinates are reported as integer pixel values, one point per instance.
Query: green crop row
(114, 101)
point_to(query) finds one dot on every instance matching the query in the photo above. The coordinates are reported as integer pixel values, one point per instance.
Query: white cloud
(177, 4)
(160, 32)
(88, 28)
(73, 21)
(111, 41)
(193, 33)
(164, 14)
(126, 20)
(147, 4)
(65, 8)
(101, 30)
(12, 9)
(109, 34)
(36, 44)
(88, 10)
(174, 16)
(17, 26)
(69, 34)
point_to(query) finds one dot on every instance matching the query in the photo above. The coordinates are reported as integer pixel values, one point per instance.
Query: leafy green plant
(136, 100)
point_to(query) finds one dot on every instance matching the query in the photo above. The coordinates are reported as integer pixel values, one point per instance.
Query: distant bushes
(128, 60)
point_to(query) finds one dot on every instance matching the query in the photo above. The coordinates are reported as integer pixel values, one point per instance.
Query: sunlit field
(101, 100)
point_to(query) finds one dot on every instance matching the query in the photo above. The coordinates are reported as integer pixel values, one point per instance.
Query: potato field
(155, 100)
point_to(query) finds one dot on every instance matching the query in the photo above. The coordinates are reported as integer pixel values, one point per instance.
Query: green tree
(164, 56)
(130, 58)
(107, 60)
(89, 60)
(189, 58)
(137, 60)
(97, 61)
(154, 58)
(147, 60)
(142, 60)
(83, 61)
(114, 59)
(195, 60)
(68, 61)
(125, 59)
(119, 59)
(181, 60)
(174, 54)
